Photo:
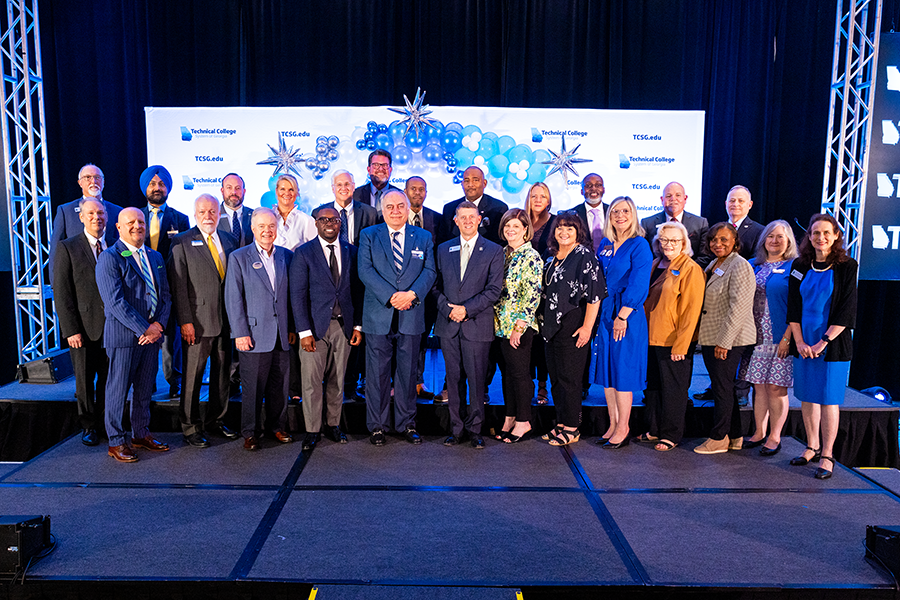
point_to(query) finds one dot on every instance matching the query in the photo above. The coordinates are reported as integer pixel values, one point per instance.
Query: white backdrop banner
(636, 152)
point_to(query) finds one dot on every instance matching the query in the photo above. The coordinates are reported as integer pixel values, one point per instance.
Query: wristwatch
(825, 338)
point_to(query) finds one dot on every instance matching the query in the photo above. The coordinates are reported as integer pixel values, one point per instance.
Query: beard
(233, 201)
(156, 198)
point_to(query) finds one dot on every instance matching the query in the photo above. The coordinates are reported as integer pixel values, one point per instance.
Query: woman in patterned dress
(515, 323)
(770, 368)
(537, 205)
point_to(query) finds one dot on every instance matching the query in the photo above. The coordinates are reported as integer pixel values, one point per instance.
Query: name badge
(676, 273)
(719, 272)
(797, 274)
(257, 265)
(454, 248)
(606, 251)
(778, 270)
(417, 254)
(173, 232)
(77, 209)
(197, 243)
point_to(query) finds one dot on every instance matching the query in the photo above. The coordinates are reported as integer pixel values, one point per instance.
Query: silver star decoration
(416, 115)
(285, 159)
(563, 161)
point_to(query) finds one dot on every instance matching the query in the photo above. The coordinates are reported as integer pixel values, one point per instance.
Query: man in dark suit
(429, 220)
(67, 223)
(163, 224)
(470, 277)
(593, 210)
(491, 209)
(80, 312)
(737, 205)
(132, 282)
(234, 217)
(196, 270)
(673, 202)
(379, 169)
(258, 307)
(326, 298)
(396, 264)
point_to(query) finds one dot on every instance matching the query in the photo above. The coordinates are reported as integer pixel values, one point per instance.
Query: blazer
(363, 216)
(171, 224)
(749, 233)
(225, 224)
(67, 223)
(492, 211)
(78, 302)
(253, 308)
(126, 302)
(478, 290)
(198, 295)
(379, 274)
(727, 317)
(431, 222)
(313, 292)
(581, 211)
(363, 193)
(696, 227)
(674, 303)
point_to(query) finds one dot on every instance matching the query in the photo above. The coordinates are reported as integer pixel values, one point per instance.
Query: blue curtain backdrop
(759, 68)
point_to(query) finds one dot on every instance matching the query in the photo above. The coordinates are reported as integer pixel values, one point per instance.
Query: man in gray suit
(673, 201)
(196, 271)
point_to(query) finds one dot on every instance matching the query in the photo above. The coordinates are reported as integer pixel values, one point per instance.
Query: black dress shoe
(705, 395)
(337, 435)
(477, 441)
(224, 431)
(768, 451)
(451, 440)
(412, 437)
(197, 440)
(377, 438)
(822, 473)
(799, 461)
(610, 446)
(310, 441)
(751, 444)
(174, 391)
(602, 441)
(89, 437)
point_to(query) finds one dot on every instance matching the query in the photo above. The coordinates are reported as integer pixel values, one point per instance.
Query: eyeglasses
(327, 220)
(92, 177)
(669, 241)
(589, 186)
(380, 166)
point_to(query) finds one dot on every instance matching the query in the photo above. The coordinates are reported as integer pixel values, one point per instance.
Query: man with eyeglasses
(326, 297)
(593, 210)
(67, 222)
(379, 170)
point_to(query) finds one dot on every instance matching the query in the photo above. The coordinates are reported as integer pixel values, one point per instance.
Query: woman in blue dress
(619, 361)
(821, 313)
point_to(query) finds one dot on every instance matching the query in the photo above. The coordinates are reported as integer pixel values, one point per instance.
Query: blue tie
(236, 226)
(398, 252)
(148, 279)
(345, 236)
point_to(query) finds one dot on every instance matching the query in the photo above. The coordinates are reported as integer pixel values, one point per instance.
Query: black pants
(517, 386)
(565, 364)
(722, 373)
(539, 358)
(666, 397)
(91, 367)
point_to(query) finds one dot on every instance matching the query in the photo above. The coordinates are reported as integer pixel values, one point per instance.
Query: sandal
(822, 473)
(664, 446)
(799, 461)
(646, 438)
(502, 435)
(565, 437)
(552, 433)
(542, 395)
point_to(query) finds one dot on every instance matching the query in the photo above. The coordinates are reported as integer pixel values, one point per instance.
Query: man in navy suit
(80, 312)
(673, 202)
(197, 279)
(163, 224)
(737, 205)
(132, 282)
(67, 223)
(593, 210)
(470, 277)
(396, 264)
(258, 307)
(379, 169)
(491, 209)
(234, 217)
(326, 298)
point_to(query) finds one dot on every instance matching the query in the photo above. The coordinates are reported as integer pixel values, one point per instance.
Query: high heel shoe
(799, 461)
(611, 446)
(769, 451)
(825, 473)
(601, 441)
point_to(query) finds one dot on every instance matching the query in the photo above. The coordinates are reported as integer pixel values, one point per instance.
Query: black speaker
(21, 537)
(883, 544)
(52, 368)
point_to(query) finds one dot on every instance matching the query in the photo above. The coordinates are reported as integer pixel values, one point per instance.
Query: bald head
(673, 199)
(131, 226)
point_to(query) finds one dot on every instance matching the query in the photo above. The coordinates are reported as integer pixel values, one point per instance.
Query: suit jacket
(379, 274)
(491, 209)
(478, 290)
(363, 193)
(431, 222)
(696, 227)
(727, 317)
(313, 292)
(171, 224)
(749, 233)
(253, 308)
(67, 223)
(126, 301)
(198, 295)
(363, 216)
(78, 302)
(225, 224)
(581, 211)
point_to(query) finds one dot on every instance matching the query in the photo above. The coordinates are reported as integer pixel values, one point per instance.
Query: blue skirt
(820, 382)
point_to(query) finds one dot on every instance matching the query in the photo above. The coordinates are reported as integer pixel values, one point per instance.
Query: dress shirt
(296, 230)
(679, 217)
(402, 239)
(411, 220)
(594, 212)
(94, 241)
(135, 253)
(350, 225)
(736, 224)
(218, 244)
(268, 261)
(337, 256)
(229, 214)
(465, 250)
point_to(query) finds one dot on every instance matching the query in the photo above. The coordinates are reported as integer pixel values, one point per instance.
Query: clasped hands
(403, 300)
(152, 335)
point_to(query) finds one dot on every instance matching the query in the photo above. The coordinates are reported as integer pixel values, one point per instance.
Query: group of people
(338, 303)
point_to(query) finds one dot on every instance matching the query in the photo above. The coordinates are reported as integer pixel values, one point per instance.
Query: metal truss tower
(856, 34)
(27, 181)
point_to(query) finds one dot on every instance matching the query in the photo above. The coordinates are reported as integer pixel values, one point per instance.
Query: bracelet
(785, 339)
(621, 319)
(519, 330)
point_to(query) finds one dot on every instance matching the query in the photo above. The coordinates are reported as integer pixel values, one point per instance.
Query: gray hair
(790, 252)
(343, 172)
(258, 212)
(685, 237)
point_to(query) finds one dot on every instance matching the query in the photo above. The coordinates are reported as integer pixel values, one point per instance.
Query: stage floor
(357, 520)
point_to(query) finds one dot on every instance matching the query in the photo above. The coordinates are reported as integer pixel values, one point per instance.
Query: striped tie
(398, 252)
(148, 279)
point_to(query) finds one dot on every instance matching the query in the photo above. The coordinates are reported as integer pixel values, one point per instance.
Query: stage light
(879, 393)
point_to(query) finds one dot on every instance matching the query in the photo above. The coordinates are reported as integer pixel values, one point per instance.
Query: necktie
(97, 249)
(397, 251)
(418, 220)
(215, 254)
(148, 279)
(377, 195)
(154, 228)
(597, 227)
(464, 259)
(673, 220)
(336, 276)
(345, 227)
(236, 226)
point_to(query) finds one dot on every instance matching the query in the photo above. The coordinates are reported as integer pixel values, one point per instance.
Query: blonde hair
(634, 230)
(685, 237)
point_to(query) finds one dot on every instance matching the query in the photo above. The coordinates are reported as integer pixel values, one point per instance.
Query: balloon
(451, 141)
(321, 140)
(454, 126)
(451, 162)
(451, 168)
(458, 177)
(382, 128)
(369, 136)
(470, 129)
(401, 155)
(434, 134)
(397, 130)
(269, 200)
(540, 155)
(312, 163)
(522, 174)
(273, 181)
(322, 147)
(384, 141)
(505, 143)
(498, 165)
(520, 152)
(370, 145)
(332, 155)
(318, 175)
(323, 165)
(487, 148)
(372, 126)
(490, 135)
(415, 142)
(513, 184)
(464, 158)
(333, 141)
(535, 173)
(432, 154)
